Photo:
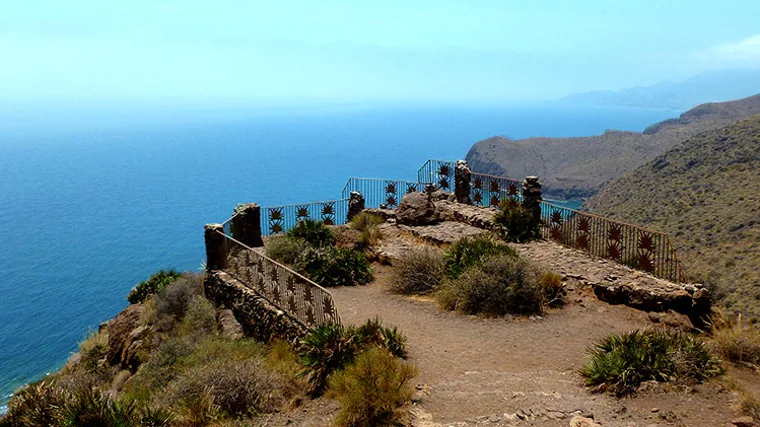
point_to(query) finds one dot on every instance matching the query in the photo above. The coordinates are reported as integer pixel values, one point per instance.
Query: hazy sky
(413, 50)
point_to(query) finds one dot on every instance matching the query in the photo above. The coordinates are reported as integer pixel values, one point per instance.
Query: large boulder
(416, 209)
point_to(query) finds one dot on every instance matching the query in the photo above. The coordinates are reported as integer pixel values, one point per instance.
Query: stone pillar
(355, 205)
(216, 252)
(246, 225)
(462, 177)
(531, 193)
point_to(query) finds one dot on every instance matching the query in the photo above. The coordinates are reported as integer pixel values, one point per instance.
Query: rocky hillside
(578, 167)
(706, 194)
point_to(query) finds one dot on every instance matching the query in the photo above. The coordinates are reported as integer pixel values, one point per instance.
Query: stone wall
(260, 320)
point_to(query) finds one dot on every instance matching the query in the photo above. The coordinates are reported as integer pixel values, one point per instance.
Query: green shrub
(329, 348)
(315, 233)
(502, 284)
(418, 271)
(172, 302)
(35, 405)
(468, 252)
(154, 284)
(324, 350)
(329, 266)
(284, 248)
(367, 224)
(373, 390)
(620, 363)
(515, 223)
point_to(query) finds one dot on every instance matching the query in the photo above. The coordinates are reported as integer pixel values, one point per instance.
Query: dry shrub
(199, 319)
(418, 271)
(172, 302)
(502, 284)
(284, 248)
(736, 340)
(553, 288)
(366, 223)
(373, 390)
(237, 387)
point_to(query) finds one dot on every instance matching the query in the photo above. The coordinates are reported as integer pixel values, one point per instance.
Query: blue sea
(91, 204)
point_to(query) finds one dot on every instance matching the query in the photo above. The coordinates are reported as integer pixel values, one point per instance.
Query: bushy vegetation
(418, 271)
(472, 251)
(736, 340)
(315, 233)
(367, 224)
(329, 266)
(284, 248)
(154, 284)
(620, 363)
(502, 284)
(329, 348)
(515, 223)
(373, 390)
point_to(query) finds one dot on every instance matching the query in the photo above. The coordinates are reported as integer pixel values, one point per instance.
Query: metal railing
(279, 219)
(438, 172)
(489, 190)
(379, 192)
(637, 247)
(302, 299)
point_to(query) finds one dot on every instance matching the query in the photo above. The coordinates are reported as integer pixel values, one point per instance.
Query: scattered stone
(743, 422)
(579, 421)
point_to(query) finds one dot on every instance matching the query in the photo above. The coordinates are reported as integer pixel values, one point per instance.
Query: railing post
(356, 205)
(216, 254)
(246, 224)
(531, 193)
(462, 177)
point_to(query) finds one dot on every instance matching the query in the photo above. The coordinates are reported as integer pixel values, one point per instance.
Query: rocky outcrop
(476, 216)
(125, 336)
(444, 233)
(416, 209)
(258, 318)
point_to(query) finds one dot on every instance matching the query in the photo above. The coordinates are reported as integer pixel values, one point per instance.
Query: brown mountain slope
(706, 194)
(577, 167)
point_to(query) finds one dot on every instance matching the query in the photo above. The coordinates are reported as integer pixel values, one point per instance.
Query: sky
(478, 51)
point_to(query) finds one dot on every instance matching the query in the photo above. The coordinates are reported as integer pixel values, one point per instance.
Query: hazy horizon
(303, 53)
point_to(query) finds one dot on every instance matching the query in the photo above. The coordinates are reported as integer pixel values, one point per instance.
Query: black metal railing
(279, 219)
(379, 192)
(489, 190)
(438, 172)
(637, 247)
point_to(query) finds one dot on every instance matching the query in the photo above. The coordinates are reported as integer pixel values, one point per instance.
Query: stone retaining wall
(260, 320)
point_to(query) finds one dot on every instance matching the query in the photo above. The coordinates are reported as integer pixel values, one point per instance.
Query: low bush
(515, 223)
(154, 284)
(418, 271)
(315, 233)
(470, 252)
(284, 248)
(373, 390)
(329, 348)
(553, 289)
(620, 363)
(737, 341)
(329, 266)
(366, 223)
(172, 302)
(502, 284)
(199, 320)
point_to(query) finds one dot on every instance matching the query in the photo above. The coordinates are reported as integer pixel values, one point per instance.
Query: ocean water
(88, 210)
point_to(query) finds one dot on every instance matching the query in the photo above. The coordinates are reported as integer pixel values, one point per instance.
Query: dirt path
(504, 372)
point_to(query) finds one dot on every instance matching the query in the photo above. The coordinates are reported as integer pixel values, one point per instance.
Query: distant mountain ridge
(716, 86)
(572, 168)
(705, 193)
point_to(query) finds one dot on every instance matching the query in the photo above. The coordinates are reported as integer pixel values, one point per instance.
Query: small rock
(578, 421)
(655, 409)
(743, 422)
(494, 419)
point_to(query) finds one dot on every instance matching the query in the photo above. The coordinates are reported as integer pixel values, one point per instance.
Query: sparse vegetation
(515, 223)
(329, 266)
(620, 363)
(366, 223)
(154, 284)
(737, 341)
(418, 271)
(329, 348)
(468, 252)
(372, 390)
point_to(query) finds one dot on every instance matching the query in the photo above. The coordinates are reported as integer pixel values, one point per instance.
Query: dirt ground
(521, 371)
